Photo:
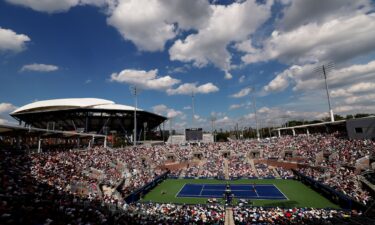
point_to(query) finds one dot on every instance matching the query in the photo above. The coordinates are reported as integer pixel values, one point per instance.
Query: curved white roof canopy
(72, 103)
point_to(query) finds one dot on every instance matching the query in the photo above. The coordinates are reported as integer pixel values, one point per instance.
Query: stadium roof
(14, 130)
(313, 125)
(72, 103)
(88, 114)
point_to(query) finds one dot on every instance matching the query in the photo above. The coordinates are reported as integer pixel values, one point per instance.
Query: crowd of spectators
(340, 179)
(97, 167)
(284, 173)
(78, 186)
(153, 213)
(306, 147)
(25, 200)
(239, 167)
(264, 171)
(268, 216)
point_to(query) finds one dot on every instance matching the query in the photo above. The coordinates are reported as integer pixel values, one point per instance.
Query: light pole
(134, 90)
(213, 119)
(324, 70)
(170, 130)
(255, 113)
(193, 109)
(144, 131)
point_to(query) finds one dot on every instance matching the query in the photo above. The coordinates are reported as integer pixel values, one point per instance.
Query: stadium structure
(88, 115)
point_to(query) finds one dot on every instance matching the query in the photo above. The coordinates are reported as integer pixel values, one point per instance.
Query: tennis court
(247, 191)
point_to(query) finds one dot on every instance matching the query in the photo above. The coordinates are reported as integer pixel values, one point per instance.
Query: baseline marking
(179, 191)
(281, 192)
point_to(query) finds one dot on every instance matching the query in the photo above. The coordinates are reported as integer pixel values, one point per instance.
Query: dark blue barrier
(330, 193)
(137, 194)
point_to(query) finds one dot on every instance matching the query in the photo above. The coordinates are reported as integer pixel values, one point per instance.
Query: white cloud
(11, 41)
(150, 80)
(188, 107)
(150, 23)
(354, 109)
(305, 79)
(165, 111)
(224, 121)
(361, 99)
(189, 88)
(5, 109)
(274, 114)
(282, 80)
(242, 93)
(228, 75)
(228, 24)
(50, 6)
(236, 106)
(337, 40)
(280, 83)
(352, 88)
(180, 69)
(39, 68)
(337, 78)
(144, 79)
(199, 119)
(143, 23)
(56, 6)
(241, 79)
(298, 12)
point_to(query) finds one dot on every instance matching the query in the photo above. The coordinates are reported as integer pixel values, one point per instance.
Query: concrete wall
(366, 125)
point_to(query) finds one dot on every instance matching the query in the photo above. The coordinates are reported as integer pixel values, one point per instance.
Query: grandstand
(327, 173)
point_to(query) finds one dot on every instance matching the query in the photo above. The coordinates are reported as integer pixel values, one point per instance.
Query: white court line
(179, 191)
(207, 189)
(281, 192)
(200, 193)
(255, 190)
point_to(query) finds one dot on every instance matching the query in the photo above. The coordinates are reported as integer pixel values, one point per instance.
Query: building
(361, 128)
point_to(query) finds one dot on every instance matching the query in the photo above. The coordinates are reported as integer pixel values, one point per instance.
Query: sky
(230, 54)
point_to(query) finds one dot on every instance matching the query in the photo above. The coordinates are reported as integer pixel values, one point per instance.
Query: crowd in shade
(83, 187)
(268, 216)
(341, 179)
(25, 200)
(150, 213)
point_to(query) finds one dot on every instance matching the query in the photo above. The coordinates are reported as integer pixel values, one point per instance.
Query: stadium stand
(91, 187)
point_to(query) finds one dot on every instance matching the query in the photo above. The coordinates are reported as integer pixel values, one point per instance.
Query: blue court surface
(247, 191)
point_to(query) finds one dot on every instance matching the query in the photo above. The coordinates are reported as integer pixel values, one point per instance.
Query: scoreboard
(194, 134)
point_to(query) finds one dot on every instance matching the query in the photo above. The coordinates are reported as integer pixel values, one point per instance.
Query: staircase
(277, 175)
(182, 174)
(229, 216)
(226, 170)
(251, 161)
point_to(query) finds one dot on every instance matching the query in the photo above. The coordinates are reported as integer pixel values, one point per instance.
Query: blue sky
(171, 48)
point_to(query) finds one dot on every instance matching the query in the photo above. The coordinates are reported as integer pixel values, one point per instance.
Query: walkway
(226, 170)
(253, 167)
(229, 216)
